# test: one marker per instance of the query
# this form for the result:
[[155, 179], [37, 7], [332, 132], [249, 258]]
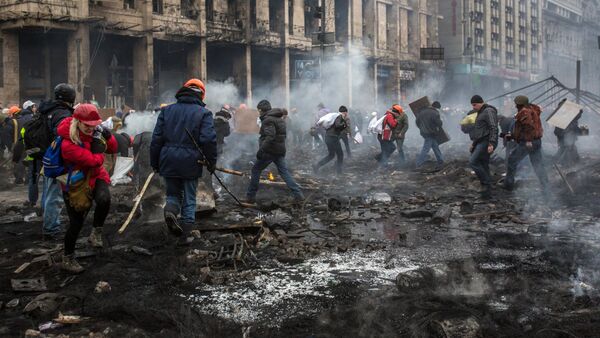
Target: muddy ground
[[365, 255]]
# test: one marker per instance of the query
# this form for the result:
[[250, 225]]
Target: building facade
[[563, 20], [590, 63], [492, 45], [138, 52]]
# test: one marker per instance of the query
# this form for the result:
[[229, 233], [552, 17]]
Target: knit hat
[[264, 105], [437, 105], [476, 99], [522, 100]]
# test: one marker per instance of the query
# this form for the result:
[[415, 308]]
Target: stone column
[[143, 71], [78, 59], [10, 60]]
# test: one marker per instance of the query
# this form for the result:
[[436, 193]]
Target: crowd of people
[[69, 146]]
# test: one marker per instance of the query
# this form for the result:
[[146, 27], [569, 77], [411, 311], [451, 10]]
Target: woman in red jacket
[[83, 146], [386, 137]]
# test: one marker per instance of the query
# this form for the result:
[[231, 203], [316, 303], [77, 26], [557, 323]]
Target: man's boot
[[486, 193], [95, 238], [69, 263], [171, 221]]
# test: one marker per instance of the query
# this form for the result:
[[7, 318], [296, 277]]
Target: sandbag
[[376, 125], [327, 120], [123, 166], [358, 138]]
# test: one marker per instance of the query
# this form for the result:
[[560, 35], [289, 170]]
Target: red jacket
[[528, 124], [81, 156], [389, 123]]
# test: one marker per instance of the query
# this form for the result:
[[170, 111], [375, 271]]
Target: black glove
[[105, 132], [98, 146], [211, 167]]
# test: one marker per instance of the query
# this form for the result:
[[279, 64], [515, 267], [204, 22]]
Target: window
[[157, 6]]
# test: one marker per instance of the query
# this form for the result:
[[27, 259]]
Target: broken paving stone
[[141, 251], [378, 197], [275, 217], [44, 304], [442, 215], [32, 333], [69, 319], [32, 284], [13, 303], [49, 326], [416, 213], [102, 287], [455, 327]]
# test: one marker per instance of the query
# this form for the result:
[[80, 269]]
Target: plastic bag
[[328, 120], [358, 138], [122, 166]]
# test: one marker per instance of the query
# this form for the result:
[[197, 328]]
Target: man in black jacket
[[332, 140], [55, 111], [271, 150], [485, 140], [430, 124]]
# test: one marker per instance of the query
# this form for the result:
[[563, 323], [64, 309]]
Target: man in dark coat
[[18, 158], [430, 124], [484, 135], [222, 127], [271, 150], [567, 149], [332, 140], [174, 155], [55, 111]]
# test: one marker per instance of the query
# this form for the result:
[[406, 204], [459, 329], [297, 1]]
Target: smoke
[[139, 122], [221, 93]]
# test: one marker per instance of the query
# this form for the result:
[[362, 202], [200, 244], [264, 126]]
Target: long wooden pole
[[136, 204]]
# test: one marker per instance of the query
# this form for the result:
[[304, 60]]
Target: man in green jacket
[[399, 133]]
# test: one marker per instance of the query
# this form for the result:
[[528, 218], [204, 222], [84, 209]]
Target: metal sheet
[[564, 114]]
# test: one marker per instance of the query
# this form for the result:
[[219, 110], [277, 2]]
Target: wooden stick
[[136, 204], [564, 179], [231, 172]]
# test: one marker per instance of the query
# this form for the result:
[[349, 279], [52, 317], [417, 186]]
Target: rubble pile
[[400, 253]]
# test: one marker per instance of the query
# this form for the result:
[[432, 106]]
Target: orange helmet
[[195, 83], [13, 110], [397, 108]]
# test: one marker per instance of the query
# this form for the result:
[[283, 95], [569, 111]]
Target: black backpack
[[37, 136]]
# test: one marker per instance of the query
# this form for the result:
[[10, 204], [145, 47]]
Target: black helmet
[[64, 92]]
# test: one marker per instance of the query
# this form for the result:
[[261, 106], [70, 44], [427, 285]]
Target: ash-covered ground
[[369, 253]]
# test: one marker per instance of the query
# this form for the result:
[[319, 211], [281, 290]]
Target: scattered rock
[[13, 303], [44, 304], [196, 234], [32, 333], [378, 197], [275, 217], [141, 251], [31, 284], [49, 326], [102, 287]]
